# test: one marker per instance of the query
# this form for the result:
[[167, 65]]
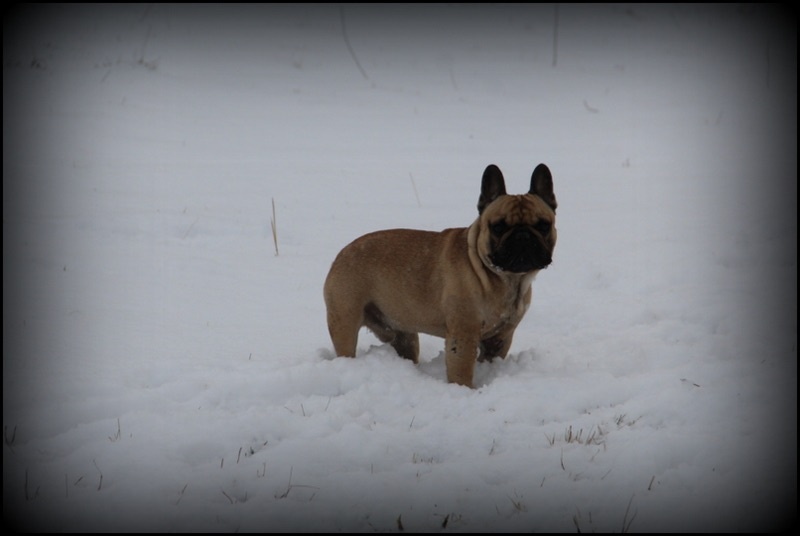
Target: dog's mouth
[[522, 252], [519, 265]]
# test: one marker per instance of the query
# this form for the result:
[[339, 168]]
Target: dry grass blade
[[274, 224]]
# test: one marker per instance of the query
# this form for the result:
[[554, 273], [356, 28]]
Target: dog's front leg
[[461, 352]]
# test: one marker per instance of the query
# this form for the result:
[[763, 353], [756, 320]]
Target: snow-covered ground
[[165, 370]]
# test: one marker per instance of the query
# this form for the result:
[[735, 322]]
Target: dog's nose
[[522, 235]]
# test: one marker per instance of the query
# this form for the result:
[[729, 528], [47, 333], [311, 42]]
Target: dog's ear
[[542, 185], [493, 186]]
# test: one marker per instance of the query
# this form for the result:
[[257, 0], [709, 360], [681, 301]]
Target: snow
[[165, 370]]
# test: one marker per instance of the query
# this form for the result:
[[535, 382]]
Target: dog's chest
[[508, 312]]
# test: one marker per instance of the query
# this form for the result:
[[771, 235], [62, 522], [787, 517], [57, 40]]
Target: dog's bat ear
[[542, 185], [493, 186]]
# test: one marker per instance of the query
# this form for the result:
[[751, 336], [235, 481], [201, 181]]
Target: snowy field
[[165, 369]]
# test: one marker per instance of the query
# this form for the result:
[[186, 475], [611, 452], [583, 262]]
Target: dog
[[469, 285]]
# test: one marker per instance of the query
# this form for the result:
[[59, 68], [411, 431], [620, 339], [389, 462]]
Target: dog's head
[[517, 233]]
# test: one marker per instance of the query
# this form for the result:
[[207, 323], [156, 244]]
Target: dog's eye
[[543, 226], [499, 227]]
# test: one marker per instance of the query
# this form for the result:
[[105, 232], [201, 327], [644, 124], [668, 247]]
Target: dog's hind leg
[[405, 344], [343, 326], [496, 346]]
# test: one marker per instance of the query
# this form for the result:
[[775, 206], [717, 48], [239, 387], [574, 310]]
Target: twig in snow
[[181, 494], [626, 525], [518, 506], [274, 223], [349, 46], [117, 435], [291, 486], [99, 484], [150, 65], [288, 488]]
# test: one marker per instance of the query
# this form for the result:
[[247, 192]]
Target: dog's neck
[[478, 266]]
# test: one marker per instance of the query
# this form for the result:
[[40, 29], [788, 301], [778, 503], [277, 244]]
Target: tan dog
[[470, 286]]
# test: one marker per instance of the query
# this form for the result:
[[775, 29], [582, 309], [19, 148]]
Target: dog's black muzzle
[[522, 250]]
